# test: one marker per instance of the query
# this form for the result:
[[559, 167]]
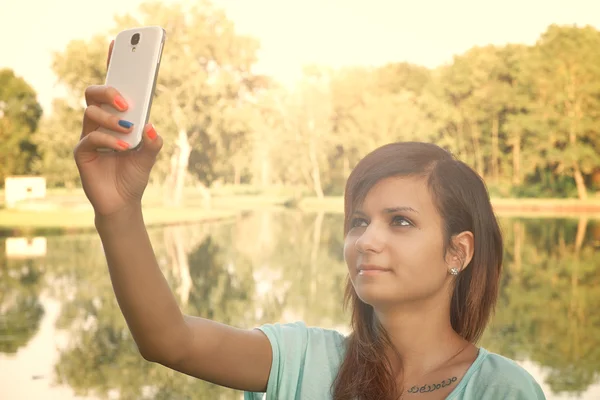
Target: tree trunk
[[180, 158], [495, 148], [170, 179], [575, 115], [459, 140], [314, 253], [516, 150], [236, 174], [476, 140], [184, 150], [579, 181], [315, 170], [265, 171]]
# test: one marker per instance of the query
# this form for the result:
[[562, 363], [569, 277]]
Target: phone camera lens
[[135, 39]]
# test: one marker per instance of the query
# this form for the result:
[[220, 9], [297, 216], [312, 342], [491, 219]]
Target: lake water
[[62, 335]]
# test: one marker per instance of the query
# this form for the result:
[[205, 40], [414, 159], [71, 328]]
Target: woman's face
[[394, 249]]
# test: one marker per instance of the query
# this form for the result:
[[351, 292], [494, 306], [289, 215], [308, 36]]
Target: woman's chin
[[372, 278], [383, 293], [373, 295]]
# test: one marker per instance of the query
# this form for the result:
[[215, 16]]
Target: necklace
[[428, 388]]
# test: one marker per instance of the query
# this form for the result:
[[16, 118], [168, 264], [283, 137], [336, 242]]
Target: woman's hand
[[112, 180]]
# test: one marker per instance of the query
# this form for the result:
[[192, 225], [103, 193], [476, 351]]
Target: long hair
[[461, 198]]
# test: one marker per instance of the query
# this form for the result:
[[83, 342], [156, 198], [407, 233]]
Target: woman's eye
[[358, 222], [402, 221]]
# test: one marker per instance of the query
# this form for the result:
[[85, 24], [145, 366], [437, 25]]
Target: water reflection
[[547, 313], [272, 266], [20, 285]]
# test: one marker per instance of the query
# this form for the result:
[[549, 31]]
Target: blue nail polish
[[125, 124]]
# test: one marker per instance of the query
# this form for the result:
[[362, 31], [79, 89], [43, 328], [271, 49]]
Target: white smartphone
[[133, 71]]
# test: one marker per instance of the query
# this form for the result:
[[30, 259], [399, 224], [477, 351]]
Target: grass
[[65, 209], [64, 219]]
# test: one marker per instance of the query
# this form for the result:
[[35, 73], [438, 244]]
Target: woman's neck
[[422, 336]]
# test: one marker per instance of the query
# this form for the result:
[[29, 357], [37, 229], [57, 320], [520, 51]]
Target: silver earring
[[454, 271]]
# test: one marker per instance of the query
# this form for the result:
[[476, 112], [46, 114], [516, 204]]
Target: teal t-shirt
[[306, 361]]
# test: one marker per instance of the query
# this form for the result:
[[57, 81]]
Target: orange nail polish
[[120, 102], [122, 144], [151, 132]]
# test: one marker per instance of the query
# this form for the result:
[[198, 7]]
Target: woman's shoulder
[[498, 374], [499, 364], [305, 360], [302, 335]]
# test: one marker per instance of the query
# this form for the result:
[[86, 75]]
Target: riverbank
[[78, 220], [542, 208], [70, 211], [73, 212]]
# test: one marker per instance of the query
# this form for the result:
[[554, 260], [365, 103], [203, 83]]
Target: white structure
[[21, 247], [17, 188]]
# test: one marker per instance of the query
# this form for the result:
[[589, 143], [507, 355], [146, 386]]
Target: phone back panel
[[132, 71]]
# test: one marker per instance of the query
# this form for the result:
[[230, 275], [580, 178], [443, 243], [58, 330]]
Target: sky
[[293, 33]]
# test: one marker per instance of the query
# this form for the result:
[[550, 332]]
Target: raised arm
[[114, 183]]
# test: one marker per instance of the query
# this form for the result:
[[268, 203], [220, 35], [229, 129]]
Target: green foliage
[[19, 116], [205, 83], [524, 117], [55, 140]]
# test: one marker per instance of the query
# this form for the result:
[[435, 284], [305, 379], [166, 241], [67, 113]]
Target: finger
[[95, 117], [98, 141], [103, 94], [110, 50], [152, 140], [151, 146]]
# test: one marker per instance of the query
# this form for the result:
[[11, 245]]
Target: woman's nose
[[371, 240]]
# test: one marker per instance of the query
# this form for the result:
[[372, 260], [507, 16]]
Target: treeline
[[525, 117]]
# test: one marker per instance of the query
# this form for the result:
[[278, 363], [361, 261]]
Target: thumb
[[152, 143]]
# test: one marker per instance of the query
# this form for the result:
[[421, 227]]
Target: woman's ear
[[463, 245]]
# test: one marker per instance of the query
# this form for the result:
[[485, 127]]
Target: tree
[[205, 81], [204, 85], [375, 106], [567, 101], [292, 131], [55, 140], [308, 120], [524, 117], [81, 64], [478, 87], [19, 116]]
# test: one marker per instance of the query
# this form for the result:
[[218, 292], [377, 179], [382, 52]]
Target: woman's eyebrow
[[391, 210]]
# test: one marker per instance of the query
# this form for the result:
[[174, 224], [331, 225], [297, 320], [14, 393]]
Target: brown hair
[[461, 198]]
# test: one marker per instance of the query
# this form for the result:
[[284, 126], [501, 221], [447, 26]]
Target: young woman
[[424, 255]]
